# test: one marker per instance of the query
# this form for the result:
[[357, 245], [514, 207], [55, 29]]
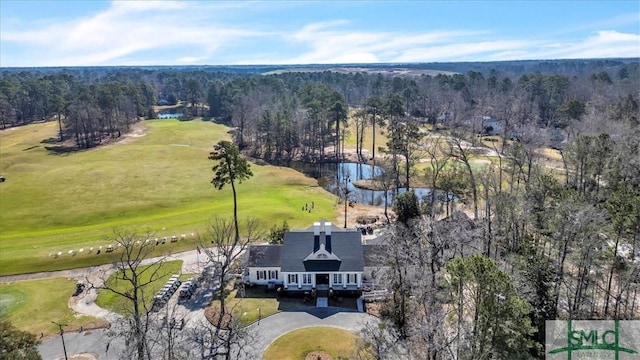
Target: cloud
[[459, 51], [602, 44], [186, 32], [124, 30], [331, 42]]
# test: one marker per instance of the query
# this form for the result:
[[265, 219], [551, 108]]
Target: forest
[[538, 242]]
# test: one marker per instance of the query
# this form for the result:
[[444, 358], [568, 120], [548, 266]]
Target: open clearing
[[338, 343], [54, 203], [32, 306]]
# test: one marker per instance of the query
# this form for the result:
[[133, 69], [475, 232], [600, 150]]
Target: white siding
[[262, 275]]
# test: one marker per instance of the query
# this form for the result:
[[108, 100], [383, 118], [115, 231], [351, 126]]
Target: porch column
[[330, 280], [344, 280], [359, 280], [285, 278], [313, 280], [299, 280]]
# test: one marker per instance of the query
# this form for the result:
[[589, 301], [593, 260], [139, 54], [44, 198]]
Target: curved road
[[274, 326], [263, 333]]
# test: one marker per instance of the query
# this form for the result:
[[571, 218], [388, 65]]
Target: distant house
[[491, 126], [321, 257], [557, 139]]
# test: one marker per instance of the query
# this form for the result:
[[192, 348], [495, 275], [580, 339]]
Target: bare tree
[[385, 182], [360, 121], [209, 341], [462, 151], [380, 341], [573, 220], [225, 248], [134, 327], [438, 158]]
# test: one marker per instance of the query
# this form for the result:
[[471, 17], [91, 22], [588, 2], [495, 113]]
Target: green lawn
[[246, 309], [367, 143], [32, 306], [295, 345], [158, 182], [114, 302]]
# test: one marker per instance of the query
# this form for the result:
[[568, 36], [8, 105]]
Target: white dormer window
[[322, 254]]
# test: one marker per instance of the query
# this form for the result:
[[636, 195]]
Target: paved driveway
[[274, 326], [93, 342], [263, 333]]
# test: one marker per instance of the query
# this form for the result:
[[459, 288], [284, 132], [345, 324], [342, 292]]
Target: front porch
[[296, 300], [335, 283]]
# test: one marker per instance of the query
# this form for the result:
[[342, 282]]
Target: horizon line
[[317, 64]]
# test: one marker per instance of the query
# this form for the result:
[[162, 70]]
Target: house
[[321, 257], [491, 126]]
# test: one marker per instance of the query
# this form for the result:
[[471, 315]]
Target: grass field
[[109, 300], [367, 143], [32, 306], [246, 309], [295, 345], [158, 180]]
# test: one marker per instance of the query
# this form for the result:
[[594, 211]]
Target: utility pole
[[64, 348], [346, 198]]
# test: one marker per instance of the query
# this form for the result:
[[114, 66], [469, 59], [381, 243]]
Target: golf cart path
[[85, 302]]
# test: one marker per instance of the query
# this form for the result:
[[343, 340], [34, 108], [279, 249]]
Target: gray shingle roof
[[298, 244], [264, 255]]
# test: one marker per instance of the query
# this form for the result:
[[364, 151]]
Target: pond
[[332, 176], [170, 116], [171, 113]]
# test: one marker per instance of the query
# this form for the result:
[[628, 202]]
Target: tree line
[[89, 102], [538, 243]]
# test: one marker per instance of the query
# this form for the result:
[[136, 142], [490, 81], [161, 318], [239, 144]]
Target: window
[[337, 278], [306, 279], [261, 274], [352, 278], [293, 279], [273, 274]]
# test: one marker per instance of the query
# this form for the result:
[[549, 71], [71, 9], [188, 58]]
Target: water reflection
[[171, 113], [335, 177]]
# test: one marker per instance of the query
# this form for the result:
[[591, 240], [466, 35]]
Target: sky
[[136, 33]]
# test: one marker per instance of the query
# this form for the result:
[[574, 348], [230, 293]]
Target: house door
[[322, 279]]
